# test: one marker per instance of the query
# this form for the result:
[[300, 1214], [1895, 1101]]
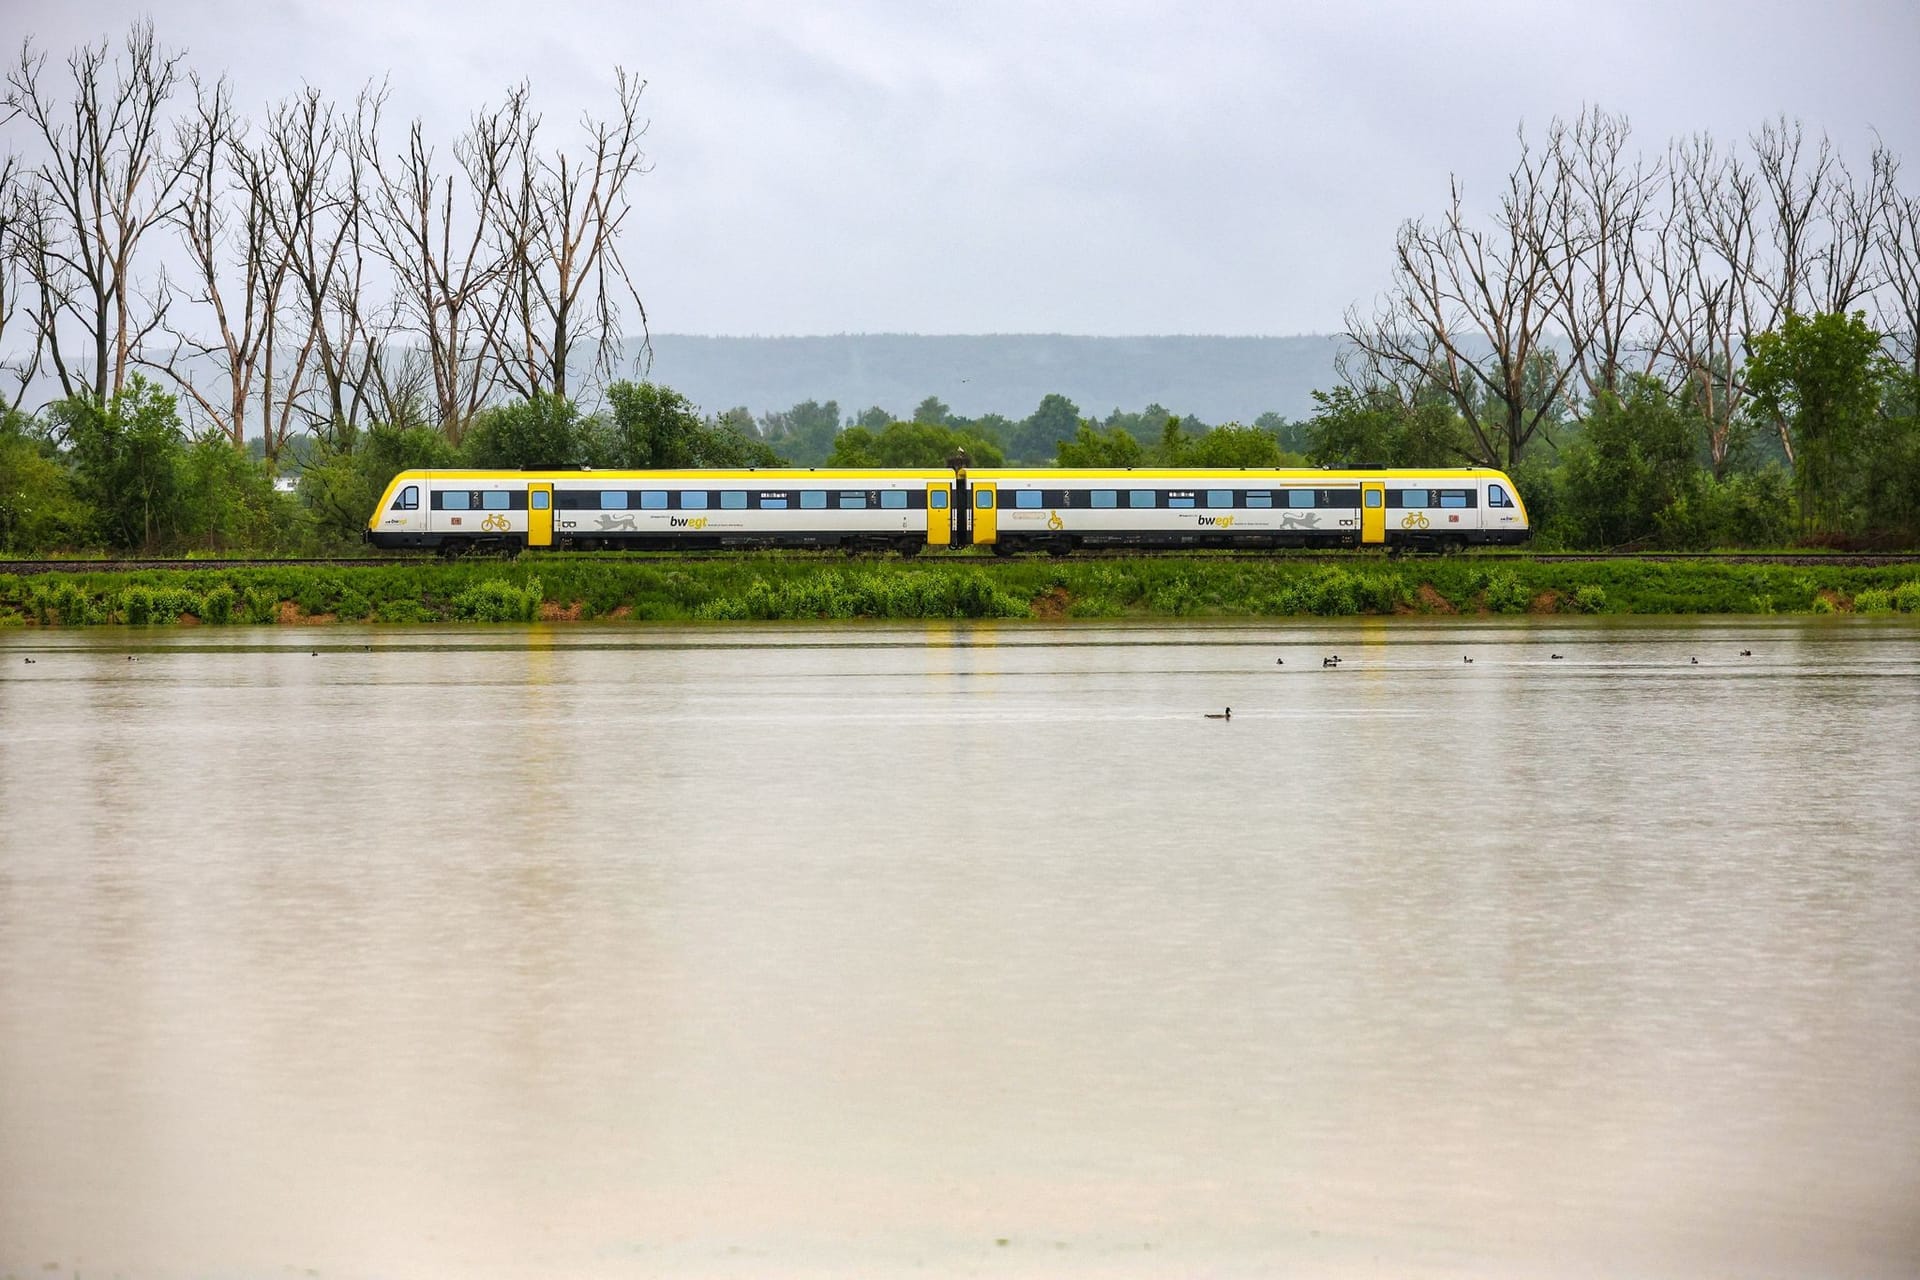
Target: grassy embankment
[[796, 587]]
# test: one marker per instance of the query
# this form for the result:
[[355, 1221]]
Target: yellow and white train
[[911, 510]]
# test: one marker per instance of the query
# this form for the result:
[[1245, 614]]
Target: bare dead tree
[[557, 224], [1471, 309], [1898, 303], [1698, 279], [431, 230], [109, 178], [225, 362], [19, 327], [319, 217], [1597, 215]]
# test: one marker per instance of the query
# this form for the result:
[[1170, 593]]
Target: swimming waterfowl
[[1220, 715], [1556, 657]]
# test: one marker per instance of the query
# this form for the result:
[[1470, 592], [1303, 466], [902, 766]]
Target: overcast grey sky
[[1096, 168]]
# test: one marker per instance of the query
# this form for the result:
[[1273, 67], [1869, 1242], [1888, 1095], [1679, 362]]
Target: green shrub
[[1591, 598], [1906, 597], [217, 609], [1505, 594], [1823, 604], [136, 606], [1873, 600], [497, 600], [402, 611], [262, 605]]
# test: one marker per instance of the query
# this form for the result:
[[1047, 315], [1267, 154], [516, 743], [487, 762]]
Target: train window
[[1181, 502], [1414, 498], [541, 499], [1300, 498], [1139, 497], [455, 500], [1027, 499], [1497, 496], [1259, 498], [693, 500], [733, 499], [893, 499], [1456, 498], [813, 499], [1219, 497], [937, 499], [983, 499], [1106, 497], [496, 500], [409, 499], [613, 499], [1373, 498], [1349, 498], [653, 499], [773, 502]]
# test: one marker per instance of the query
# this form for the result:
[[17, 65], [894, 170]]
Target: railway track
[[1801, 559]]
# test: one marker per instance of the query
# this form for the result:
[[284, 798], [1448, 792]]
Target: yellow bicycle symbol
[[495, 524], [1414, 520]]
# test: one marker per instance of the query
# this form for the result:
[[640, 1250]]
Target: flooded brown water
[[958, 950]]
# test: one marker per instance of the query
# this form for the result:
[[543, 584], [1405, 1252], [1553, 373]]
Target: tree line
[[1713, 346]]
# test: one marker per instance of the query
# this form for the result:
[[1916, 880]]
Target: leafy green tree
[[1376, 426], [655, 427], [1636, 457], [543, 431], [1819, 378], [1889, 487], [804, 434], [1232, 445], [127, 455], [1092, 447], [1038, 437], [911, 444], [873, 418], [229, 501], [38, 509], [1291, 435], [932, 412], [351, 469]]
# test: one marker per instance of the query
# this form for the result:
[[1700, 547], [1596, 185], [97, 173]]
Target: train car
[[1010, 510], [1059, 510], [457, 511]]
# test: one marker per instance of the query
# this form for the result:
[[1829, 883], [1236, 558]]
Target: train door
[[939, 514], [986, 514], [1373, 512], [539, 515]]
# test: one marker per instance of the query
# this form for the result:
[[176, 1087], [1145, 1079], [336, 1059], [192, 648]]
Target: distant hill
[[1218, 379]]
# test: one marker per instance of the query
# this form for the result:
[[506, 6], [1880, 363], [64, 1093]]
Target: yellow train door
[[939, 514], [986, 514], [539, 515], [1373, 512]]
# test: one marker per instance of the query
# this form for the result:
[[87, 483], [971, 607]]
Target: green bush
[[1873, 600], [217, 609], [402, 611], [497, 600], [1505, 593], [1906, 597], [262, 605], [1591, 598]]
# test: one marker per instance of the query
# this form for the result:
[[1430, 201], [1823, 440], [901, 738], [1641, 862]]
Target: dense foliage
[[798, 587]]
